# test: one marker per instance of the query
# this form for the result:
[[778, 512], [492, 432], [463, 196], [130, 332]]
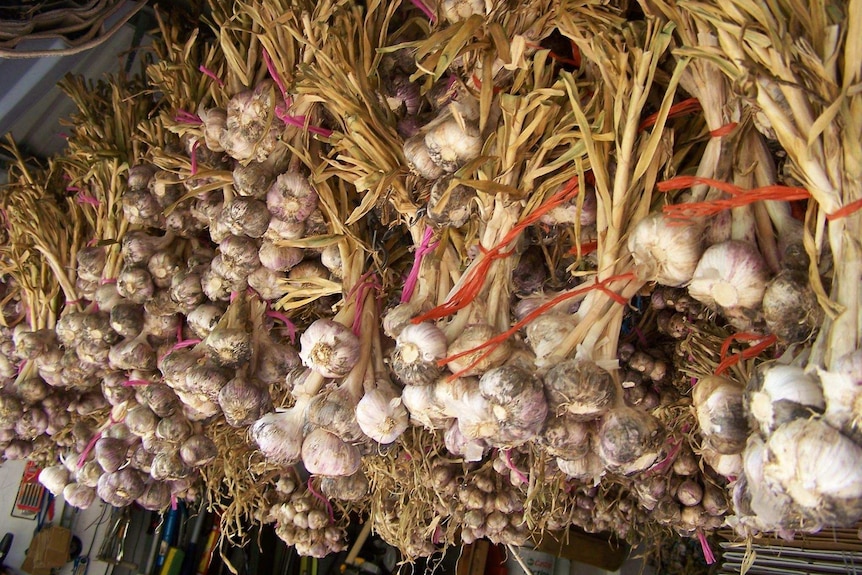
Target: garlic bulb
[[473, 336], [566, 437], [346, 488], [417, 349], [581, 389], [279, 435], [451, 144], [819, 469], [279, 258], [243, 402], [120, 488], [380, 414], [251, 131], [156, 496], [450, 205], [246, 217], [54, 479], [589, 468], [790, 307], [730, 274], [424, 410], [629, 440], [110, 453], [664, 250], [777, 394], [517, 402], [214, 120], [718, 404], [291, 198], [198, 450], [842, 390], [203, 319], [729, 466], [545, 333], [78, 495], [329, 348], [457, 444], [324, 453], [419, 160], [458, 10], [167, 465]]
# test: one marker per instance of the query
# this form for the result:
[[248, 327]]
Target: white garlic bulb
[[718, 404], [324, 453], [730, 275], [458, 10], [588, 468], [417, 349], [423, 409], [381, 415], [842, 390], [279, 435], [665, 251], [457, 444], [819, 468], [451, 144], [329, 348], [780, 393], [419, 160], [545, 333], [54, 478], [471, 337]]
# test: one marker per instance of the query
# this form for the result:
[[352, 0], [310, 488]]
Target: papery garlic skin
[[588, 468], [720, 414], [419, 160], [424, 410], [381, 416], [457, 444], [819, 468], [842, 391], [451, 145], [329, 348], [545, 333], [279, 435], [324, 453], [417, 349], [777, 394], [730, 275], [665, 251], [471, 337], [54, 479]]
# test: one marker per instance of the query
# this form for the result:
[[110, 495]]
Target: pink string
[[21, 366], [664, 463], [83, 457], [174, 501], [438, 536], [324, 499], [105, 281], [184, 117], [291, 328], [211, 74], [507, 455], [276, 77], [413, 276], [425, 10], [707, 550], [233, 295], [299, 122], [83, 197], [360, 301], [180, 345]]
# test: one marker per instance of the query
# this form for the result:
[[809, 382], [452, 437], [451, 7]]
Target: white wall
[[85, 526]]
